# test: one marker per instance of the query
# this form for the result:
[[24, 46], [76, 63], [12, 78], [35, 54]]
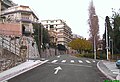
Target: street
[[64, 68]]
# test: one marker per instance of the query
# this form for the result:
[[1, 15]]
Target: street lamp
[[94, 41], [106, 35], [106, 40], [94, 48]]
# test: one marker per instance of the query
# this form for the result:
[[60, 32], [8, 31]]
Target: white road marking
[[72, 61], [88, 61], [4, 81], [116, 72], [93, 60], [63, 61], [58, 56], [57, 69], [80, 61], [54, 61], [73, 64], [43, 59]]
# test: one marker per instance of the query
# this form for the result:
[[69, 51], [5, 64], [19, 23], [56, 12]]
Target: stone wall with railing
[[8, 59]]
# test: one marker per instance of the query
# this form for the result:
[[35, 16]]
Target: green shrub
[[89, 55], [103, 56], [79, 55]]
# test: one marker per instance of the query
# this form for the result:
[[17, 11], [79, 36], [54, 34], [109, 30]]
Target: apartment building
[[22, 15], [6, 4], [61, 31], [75, 36]]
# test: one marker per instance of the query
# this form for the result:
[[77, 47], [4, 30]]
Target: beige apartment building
[[22, 15], [61, 31], [4, 4], [8, 28]]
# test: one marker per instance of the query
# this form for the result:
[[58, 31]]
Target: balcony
[[8, 3], [25, 20]]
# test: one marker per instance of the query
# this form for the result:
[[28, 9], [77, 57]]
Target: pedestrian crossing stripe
[[88, 61], [93, 61], [80, 61], [63, 61], [72, 61], [54, 61]]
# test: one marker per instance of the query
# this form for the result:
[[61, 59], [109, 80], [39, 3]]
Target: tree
[[37, 36], [46, 37], [116, 32], [109, 32], [80, 45], [41, 33], [93, 24]]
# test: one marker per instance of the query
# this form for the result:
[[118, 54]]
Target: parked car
[[118, 63]]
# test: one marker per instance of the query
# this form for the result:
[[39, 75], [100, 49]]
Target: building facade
[[61, 31], [75, 36], [23, 15], [4, 4]]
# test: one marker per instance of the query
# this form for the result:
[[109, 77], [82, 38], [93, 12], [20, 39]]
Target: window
[[52, 21], [51, 26], [46, 26]]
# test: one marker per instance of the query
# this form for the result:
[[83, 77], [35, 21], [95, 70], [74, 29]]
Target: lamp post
[[94, 39], [106, 40], [94, 48]]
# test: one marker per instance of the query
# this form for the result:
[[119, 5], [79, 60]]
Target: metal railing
[[9, 45], [10, 54]]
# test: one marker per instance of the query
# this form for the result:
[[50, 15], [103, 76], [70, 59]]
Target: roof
[[20, 8]]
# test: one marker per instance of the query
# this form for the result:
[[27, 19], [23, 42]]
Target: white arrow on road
[[57, 69]]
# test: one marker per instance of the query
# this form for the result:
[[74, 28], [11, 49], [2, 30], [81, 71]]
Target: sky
[[74, 12]]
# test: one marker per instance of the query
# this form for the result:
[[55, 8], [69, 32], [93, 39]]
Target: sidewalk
[[28, 65], [109, 69]]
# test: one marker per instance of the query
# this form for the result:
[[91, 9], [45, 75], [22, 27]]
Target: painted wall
[[10, 29]]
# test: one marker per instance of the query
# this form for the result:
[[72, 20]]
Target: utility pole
[[94, 38], [94, 48], [106, 40]]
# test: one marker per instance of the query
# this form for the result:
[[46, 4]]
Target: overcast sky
[[74, 12]]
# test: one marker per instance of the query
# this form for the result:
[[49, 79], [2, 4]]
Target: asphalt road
[[63, 68]]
